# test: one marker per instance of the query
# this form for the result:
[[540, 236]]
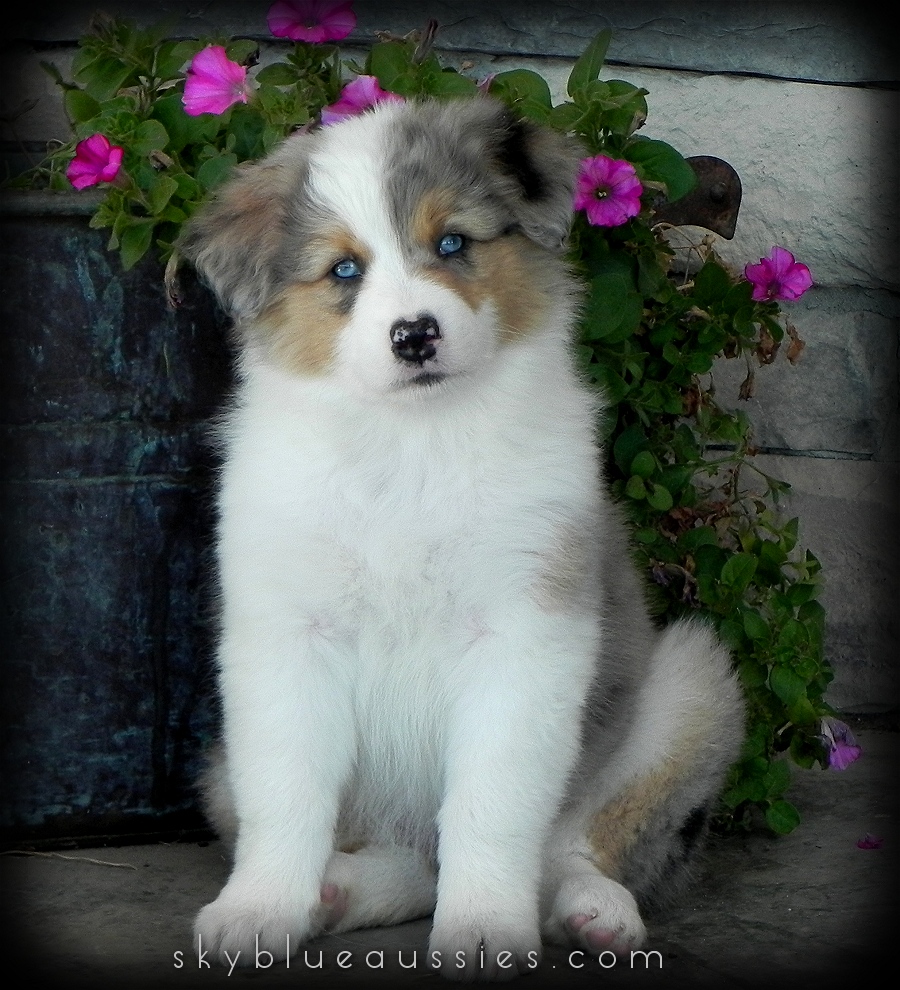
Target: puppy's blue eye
[[346, 268], [450, 244]]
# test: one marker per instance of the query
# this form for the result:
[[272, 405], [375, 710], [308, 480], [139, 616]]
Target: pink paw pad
[[335, 900], [596, 939], [600, 938]]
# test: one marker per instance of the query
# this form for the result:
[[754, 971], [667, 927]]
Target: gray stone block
[[810, 41], [849, 519], [840, 399]]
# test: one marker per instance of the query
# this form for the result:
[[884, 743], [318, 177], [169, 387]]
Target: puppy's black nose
[[413, 340]]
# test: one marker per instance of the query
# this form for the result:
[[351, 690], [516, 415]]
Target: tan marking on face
[[431, 217], [302, 327], [616, 828], [330, 246], [443, 211], [563, 583], [508, 272], [303, 324]]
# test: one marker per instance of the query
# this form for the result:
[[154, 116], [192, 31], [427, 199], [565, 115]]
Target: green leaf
[[613, 309], [646, 536], [188, 187], [711, 284], [246, 130], [161, 191], [103, 77], [660, 162], [644, 465], [135, 241], [587, 67], [627, 445], [451, 84], [778, 778], [698, 537], [792, 635], [812, 615], [755, 742], [215, 170], [660, 498], [738, 571], [150, 136], [698, 364], [80, 107], [242, 50], [565, 117], [732, 634], [182, 128], [738, 297], [173, 57], [391, 63], [277, 74], [782, 817], [522, 86], [611, 384], [635, 488], [752, 674], [710, 559], [755, 626], [786, 684], [626, 107]]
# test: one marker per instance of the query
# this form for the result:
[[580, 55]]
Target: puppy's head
[[397, 250]]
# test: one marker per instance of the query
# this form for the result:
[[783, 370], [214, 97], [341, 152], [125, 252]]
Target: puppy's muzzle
[[414, 340]]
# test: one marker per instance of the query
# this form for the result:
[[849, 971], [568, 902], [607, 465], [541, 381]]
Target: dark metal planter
[[105, 395]]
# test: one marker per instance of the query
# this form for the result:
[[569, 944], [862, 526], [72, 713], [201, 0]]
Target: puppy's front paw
[[483, 950], [245, 926]]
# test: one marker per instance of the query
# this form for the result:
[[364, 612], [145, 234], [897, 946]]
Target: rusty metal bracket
[[715, 201]]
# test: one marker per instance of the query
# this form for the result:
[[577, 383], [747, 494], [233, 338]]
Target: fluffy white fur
[[416, 584]]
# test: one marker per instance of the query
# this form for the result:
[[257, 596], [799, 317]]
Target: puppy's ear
[[540, 165], [235, 239]]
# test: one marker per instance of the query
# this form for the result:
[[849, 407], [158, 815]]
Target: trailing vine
[[707, 523]]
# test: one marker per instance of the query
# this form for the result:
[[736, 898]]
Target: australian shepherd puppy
[[441, 690]]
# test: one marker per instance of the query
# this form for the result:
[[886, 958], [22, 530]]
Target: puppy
[[441, 690]]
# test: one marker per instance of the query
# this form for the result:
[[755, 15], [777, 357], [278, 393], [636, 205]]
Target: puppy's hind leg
[[628, 835], [376, 886]]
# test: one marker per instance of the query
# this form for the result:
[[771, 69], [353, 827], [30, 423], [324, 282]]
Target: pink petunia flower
[[314, 21], [778, 276], [840, 743], [96, 160], [359, 95], [214, 82], [608, 190]]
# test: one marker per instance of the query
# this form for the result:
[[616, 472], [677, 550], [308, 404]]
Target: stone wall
[[802, 100]]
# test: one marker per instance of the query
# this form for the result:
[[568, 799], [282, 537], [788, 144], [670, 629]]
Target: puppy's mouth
[[425, 379]]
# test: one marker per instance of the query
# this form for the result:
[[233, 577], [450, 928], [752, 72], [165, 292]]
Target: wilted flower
[[314, 21], [359, 95], [778, 276], [839, 742], [214, 82], [484, 85], [869, 841], [608, 190], [96, 160]]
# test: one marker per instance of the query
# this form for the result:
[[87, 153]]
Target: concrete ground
[[804, 910]]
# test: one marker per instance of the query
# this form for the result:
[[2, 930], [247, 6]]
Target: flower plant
[[168, 120]]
